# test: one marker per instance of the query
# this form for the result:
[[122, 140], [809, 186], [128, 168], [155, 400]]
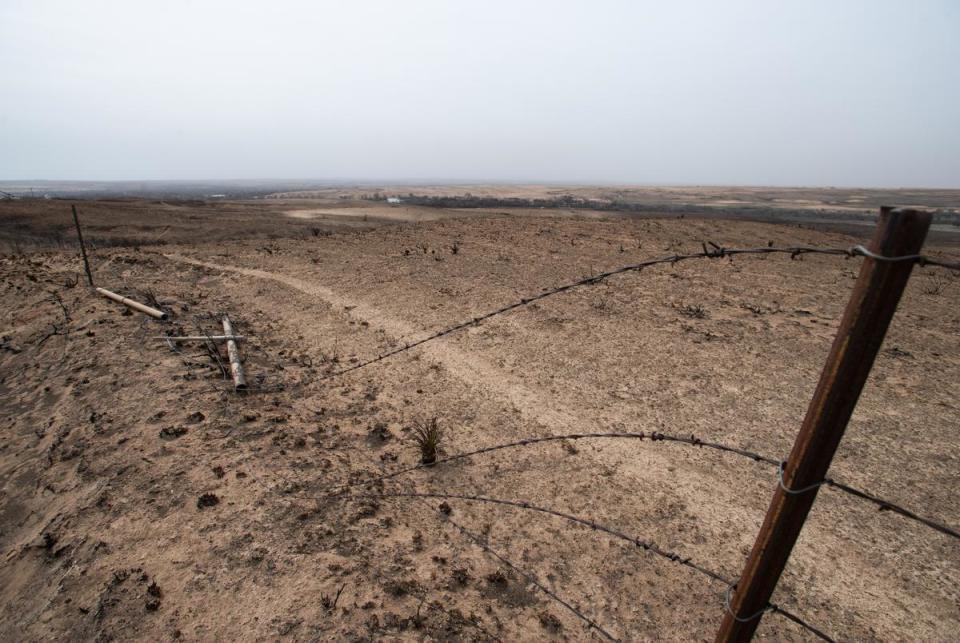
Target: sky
[[764, 92]]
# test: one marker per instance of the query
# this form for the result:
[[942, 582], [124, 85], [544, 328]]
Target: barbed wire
[[656, 436], [653, 436], [776, 609], [713, 252], [920, 260], [530, 578], [646, 545], [886, 505]]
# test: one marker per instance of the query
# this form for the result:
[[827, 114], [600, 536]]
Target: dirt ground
[[142, 498]]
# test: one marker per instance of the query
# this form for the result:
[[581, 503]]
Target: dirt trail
[[470, 369], [530, 409]]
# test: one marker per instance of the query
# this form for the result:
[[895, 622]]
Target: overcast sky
[[844, 93]]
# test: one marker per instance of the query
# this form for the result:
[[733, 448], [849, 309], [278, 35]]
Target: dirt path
[[470, 369]]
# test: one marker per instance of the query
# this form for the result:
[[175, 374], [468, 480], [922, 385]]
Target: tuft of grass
[[428, 438], [934, 285], [695, 311], [151, 299]]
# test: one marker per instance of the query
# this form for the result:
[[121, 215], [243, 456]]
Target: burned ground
[[143, 498]]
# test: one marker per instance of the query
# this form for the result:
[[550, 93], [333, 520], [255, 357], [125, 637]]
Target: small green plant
[[428, 437]]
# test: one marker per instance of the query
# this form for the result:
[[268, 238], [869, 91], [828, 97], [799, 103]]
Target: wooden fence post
[[864, 324], [236, 369], [83, 248]]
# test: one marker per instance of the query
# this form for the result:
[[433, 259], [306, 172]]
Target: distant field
[[46, 223]]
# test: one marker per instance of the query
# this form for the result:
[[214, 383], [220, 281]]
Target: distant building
[[393, 199]]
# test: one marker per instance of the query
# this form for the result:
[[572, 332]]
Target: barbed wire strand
[[530, 578], [646, 545], [920, 260], [886, 505], [638, 542], [653, 436], [656, 436], [713, 252], [776, 609]]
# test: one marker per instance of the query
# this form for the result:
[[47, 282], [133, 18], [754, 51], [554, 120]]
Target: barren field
[[142, 498]]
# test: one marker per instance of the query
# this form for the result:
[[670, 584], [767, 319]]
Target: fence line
[[654, 436], [713, 252], [743, 626]]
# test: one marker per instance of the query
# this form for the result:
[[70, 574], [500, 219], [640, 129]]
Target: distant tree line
[[568, 201]]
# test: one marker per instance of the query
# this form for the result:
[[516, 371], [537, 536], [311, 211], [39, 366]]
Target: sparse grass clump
[[934, 285], [428, 438], [694, 311]]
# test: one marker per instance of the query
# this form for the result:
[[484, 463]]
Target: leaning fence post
[[83, 248], [872, 304]]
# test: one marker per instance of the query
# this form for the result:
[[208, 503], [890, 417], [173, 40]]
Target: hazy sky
[[762, 92]]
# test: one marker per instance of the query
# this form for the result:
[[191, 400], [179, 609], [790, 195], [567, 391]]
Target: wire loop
[[794, 492]]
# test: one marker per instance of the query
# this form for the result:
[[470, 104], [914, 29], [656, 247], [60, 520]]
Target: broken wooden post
[[83, 248], [146, 310], [239, 382]]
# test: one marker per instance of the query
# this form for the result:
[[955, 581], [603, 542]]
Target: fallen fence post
[[865, 321], [136, 305], [236, 369], [83, 247]]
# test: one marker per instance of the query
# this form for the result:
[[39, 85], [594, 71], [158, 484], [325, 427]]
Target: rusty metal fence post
[[865, 321]]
